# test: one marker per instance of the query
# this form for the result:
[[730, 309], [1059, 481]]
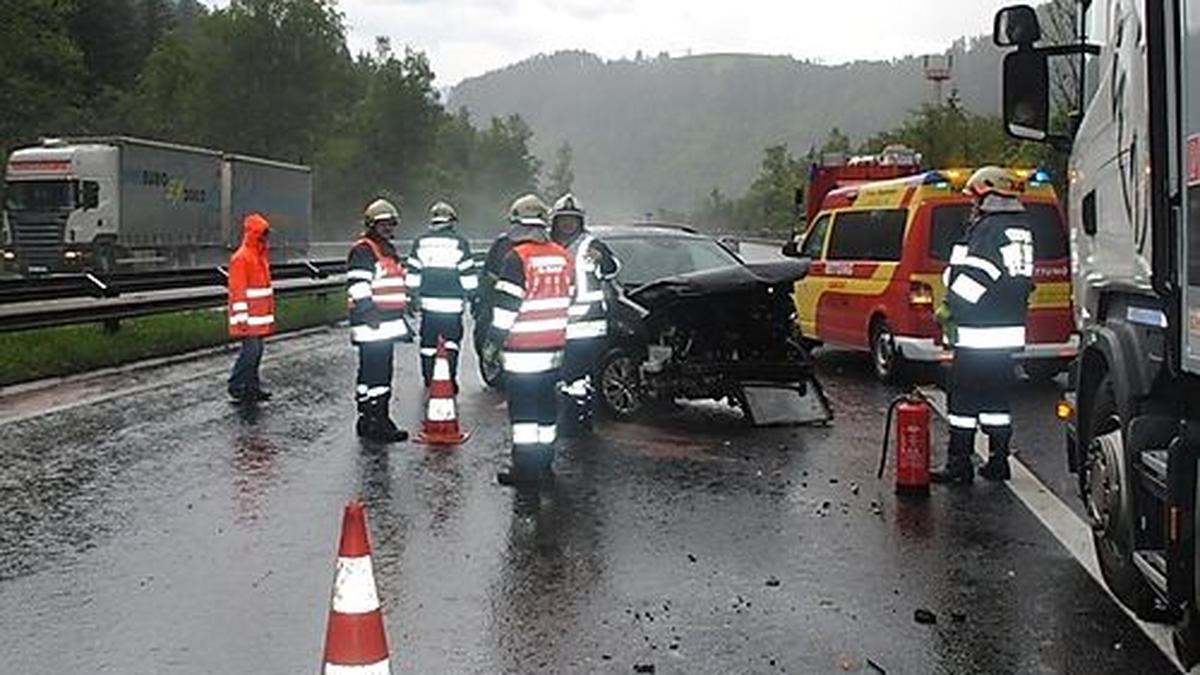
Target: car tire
[[620, 385], [491, 367], [886, 361], [1044, 370], [1109, 503]]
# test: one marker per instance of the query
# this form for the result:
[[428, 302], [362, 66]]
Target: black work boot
[[996, 468], [958, 469], [380, 426], [362, 426]]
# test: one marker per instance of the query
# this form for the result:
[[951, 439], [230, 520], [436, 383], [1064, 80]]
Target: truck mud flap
[[778, 404]]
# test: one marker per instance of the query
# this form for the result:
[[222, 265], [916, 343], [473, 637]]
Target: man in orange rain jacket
[[251, 308]]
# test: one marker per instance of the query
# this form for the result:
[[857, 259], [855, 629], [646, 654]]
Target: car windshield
[[1049, 236], [647, 259], [41, 195]]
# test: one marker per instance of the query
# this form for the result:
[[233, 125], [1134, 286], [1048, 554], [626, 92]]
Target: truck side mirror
[[1027, 95], [1016, 26], [90, 195]]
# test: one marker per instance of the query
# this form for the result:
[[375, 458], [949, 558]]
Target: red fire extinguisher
[[912, 443]]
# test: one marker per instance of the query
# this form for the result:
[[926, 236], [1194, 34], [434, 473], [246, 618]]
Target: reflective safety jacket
[[594, 264], [378, 292], [533, 296], [988, 282], [251, 299], [441, 272]]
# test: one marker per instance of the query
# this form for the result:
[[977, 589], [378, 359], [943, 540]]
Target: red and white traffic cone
[[355, 640], [441, 413]]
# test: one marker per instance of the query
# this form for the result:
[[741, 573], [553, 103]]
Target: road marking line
[[273, 355], [1067, 527]]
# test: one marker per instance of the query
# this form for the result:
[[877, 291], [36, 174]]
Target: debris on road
[[773, 582], [925, 617], [876, 667], [643, 668]]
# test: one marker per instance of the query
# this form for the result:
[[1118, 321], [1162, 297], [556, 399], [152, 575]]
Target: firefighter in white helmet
[[442, 279], [532, 299], [988, 282], [378, 298], [587, 326]]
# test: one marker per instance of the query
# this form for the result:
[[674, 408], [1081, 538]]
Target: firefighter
[[378, 301], [988, 282], [529, 320], [251, 308], [587, 325], [441, 277]]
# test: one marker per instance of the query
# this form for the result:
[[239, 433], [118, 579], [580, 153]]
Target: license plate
[[38, 269]]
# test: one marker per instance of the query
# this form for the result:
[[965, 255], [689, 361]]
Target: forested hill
[[663, 132]]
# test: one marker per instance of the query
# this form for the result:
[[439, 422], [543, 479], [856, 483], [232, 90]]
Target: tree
[[561, 177]]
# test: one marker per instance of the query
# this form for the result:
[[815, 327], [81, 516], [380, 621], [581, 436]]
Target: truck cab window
[[40, 195]]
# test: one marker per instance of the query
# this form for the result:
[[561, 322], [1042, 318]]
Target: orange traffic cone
[[441, 414], [355, 641]]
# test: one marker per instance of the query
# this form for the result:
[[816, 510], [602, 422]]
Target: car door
[[861, 257], [809, 289]]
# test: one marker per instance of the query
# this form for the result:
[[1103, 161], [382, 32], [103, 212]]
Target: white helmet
[[442, 212], [380, 209], [567, 205], [528, 210]]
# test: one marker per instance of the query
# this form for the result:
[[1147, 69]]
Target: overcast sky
[[464, 38]]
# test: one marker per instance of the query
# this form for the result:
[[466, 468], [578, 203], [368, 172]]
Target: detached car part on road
[[688, 319]]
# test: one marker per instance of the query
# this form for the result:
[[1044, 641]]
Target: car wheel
[[1109, 501], [491, 365], [621, 390], [885, 358]]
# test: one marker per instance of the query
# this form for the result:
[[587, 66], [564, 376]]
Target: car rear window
[[1049, 235], [867, 235]]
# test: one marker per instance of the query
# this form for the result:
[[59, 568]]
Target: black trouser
[[450, 326], [244, 378], [981, 382], [582, 357], [533, 411], [374, 371]]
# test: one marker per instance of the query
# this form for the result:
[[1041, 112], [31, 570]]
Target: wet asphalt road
[[148, 526]]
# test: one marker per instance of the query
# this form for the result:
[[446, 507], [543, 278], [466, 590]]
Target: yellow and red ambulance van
[[878, 250]]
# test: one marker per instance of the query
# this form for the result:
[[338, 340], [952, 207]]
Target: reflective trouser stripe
[[585, 330], [531, 362], [995, 419], [443, 305], [364, 391], [525, 433], [547, 433], [993, 337], [961, 421], [388, 330], [252, 293]]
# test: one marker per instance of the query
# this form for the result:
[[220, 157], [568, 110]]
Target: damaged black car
[[689, 319]]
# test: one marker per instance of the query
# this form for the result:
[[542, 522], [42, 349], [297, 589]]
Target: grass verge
[[64, 350]]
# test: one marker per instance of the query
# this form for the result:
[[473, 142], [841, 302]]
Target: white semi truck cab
[[59, 199], [1133, 419]]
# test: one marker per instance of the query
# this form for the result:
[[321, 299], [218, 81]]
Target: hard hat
[[993, 180], [567, 205], [380, 209], [442, 212], [528, 210]]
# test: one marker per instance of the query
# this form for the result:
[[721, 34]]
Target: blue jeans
[[244, 378]]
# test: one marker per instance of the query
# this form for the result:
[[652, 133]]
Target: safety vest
[[588, 313], [384, 286], [251, 299], [541, 324]]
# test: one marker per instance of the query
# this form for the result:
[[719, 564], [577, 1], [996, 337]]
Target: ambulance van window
[[816, 238], [876, 235], [949, 222]]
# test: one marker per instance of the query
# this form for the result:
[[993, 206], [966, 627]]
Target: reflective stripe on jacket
[[441, 270], [533, 298], [377, 292], [589, 310], [251, 298]]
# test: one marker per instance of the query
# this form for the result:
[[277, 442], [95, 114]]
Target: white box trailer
[[118, 202]]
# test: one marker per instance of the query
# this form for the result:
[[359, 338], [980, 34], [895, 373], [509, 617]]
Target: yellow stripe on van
[[1051, 295]]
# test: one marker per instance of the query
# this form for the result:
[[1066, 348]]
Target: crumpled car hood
[[753, 278]]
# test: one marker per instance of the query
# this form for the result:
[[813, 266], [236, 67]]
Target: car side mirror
[[1027, 95], [1016, 26], [791, 249]]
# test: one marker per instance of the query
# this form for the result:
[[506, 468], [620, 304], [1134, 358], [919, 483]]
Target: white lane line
[[268, 356], [1066, 526]]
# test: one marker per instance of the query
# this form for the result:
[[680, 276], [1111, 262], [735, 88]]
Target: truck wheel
[[621, 390], [888, 362], [1109, 502]]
